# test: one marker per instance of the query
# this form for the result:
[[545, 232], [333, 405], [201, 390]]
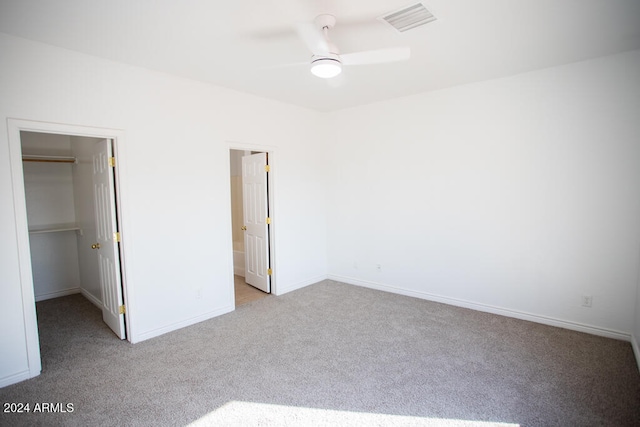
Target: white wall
[[54, 259], [174, 170], [517, 195]]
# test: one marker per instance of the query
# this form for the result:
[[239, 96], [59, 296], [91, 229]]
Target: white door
[[107, 242], [255, 214]]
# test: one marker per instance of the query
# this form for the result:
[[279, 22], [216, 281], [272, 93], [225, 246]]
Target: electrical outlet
[[199, 293], [378, 267], [587, 300]]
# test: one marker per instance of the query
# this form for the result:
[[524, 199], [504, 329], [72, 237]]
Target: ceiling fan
[[327, 61]]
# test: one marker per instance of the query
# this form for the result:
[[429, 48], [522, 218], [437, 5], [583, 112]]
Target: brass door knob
[[244, 228], [95, 246]]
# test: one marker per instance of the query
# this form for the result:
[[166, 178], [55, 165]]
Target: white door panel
[[106, 244], [255, 213]]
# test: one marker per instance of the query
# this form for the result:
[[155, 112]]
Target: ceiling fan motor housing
[[325, 21]]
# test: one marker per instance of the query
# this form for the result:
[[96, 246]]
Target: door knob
[[95, 246], [244, 228]]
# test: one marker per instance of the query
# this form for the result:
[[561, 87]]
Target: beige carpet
[[329, 354]]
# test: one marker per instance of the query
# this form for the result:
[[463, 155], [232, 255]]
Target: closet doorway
[[62, 230], [251, 218], [69, 186]]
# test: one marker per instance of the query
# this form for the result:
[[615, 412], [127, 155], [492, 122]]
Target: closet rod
[[49, 159]]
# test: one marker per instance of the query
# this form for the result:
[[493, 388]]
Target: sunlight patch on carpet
[[237, 413]]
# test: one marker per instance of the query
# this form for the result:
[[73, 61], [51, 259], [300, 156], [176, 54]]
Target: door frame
[[271, 196], [14, 127]]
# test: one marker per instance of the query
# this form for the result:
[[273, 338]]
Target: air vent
[[409, 17]]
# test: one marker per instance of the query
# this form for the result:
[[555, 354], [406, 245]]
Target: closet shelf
[[48, 159], [53, 228]]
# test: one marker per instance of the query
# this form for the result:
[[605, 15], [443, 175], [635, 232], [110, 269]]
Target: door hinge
[[268, 220], [112, 162], [116, 236], [122, 310], [269, 272], [267, 168]]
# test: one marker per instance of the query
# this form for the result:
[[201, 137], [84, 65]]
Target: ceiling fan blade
[[377, 56], [281, 66], [312, 37]]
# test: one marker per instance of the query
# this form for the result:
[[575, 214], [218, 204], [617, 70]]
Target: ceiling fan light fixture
[[326, 68]]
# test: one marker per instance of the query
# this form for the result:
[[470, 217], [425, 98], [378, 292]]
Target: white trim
[[302, 284], [636, 349], [16, 378], [32, 339], [271, 180], [14, 127], [545, 320], [57, 294], [93, 300], [183, 324]]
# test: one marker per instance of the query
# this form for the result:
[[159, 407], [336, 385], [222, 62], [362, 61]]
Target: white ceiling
[[239, 44]]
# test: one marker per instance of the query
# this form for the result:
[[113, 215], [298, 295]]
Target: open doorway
[[110, 139], [251, 218], [69, 186]]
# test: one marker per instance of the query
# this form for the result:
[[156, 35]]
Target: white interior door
[[255, 216], [107, 242]]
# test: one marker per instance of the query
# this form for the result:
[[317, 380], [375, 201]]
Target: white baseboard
[[57, 294], [16, 378], [238, 271], [636, 349], [135, 338], [285, 289], [575, 326], [95, 301]]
